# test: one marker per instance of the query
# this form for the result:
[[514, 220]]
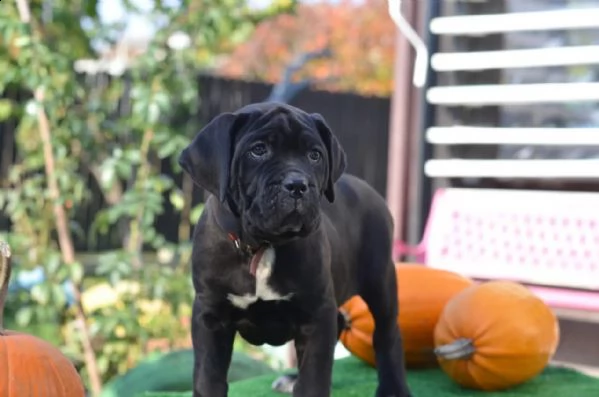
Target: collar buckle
[[236, 241]]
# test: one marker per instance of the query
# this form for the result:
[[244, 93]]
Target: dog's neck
[[231, 225]]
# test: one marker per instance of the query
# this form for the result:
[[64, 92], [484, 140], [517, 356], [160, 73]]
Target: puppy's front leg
[[213, 348], [315, 347]]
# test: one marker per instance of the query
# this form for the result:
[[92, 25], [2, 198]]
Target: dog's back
[[359, 227]]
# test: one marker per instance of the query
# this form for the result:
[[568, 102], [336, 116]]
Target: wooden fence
[[360, 123]]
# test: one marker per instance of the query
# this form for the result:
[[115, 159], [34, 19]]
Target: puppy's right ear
[[336, 155], [207, 159]]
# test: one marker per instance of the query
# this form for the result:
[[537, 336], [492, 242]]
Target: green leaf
[[41, 293], [168, 148], [24, 315], [76, 269], [177, 199], [58, 295], [153, 112], [103, 363], [53, 264], [91, 8], [132, 156], [196, 212], [6, 109]]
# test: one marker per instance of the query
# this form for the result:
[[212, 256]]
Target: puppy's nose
[[296, 184]]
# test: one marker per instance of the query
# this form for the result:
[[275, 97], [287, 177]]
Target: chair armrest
[[402, 249]]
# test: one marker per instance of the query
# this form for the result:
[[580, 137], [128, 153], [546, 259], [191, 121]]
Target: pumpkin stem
[[5, 268], [460, 349]]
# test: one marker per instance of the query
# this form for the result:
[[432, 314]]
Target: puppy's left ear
[[207, 159], [335, 153]]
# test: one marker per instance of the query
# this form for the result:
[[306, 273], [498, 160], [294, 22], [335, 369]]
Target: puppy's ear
[[336, 155], [207, 159]]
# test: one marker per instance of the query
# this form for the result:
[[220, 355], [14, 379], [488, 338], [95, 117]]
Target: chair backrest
[[536, 237]]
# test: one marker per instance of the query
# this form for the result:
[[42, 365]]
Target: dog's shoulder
[[355, 191], [356, 200], [206, 217]]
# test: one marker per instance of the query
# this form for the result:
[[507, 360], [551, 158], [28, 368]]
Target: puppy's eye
[[314, 155], [259, 150]]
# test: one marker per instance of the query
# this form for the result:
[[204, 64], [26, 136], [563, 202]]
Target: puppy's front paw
[[284, 383]]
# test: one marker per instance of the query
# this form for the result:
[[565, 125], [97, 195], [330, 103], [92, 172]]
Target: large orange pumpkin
[[422, 295], [30, 366], [495, 335]]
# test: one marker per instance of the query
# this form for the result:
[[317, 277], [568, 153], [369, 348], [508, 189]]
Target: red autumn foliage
[[361, 36]]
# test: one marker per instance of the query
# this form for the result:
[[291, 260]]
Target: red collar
[[231, 225], [254, 253], [240, 245]]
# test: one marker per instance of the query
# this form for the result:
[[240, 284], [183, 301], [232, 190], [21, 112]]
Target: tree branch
[[61, 219], [286, 89], [135, 244]]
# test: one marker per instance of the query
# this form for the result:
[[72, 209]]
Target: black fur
[[332, 235]]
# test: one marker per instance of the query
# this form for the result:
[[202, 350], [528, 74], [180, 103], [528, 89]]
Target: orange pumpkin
[[495, 335], [422, 295], [359, 327], [31, 367]]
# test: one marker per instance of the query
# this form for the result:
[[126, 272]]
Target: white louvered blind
[[514, 95]]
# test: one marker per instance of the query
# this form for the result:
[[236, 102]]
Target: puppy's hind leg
[[378, 288], [285, 383]]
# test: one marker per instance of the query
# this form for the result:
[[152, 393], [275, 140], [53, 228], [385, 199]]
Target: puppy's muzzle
[[296, 185]]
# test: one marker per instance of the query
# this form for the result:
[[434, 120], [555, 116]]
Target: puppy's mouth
[[280, 237], [290, 231], [290, 227], [292, 223]]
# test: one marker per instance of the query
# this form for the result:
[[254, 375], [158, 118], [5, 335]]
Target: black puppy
[[284, 239]]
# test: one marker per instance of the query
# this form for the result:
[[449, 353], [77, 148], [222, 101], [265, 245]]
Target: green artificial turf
[[354, 379]]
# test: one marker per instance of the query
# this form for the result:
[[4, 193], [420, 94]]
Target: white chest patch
[[263, 290]]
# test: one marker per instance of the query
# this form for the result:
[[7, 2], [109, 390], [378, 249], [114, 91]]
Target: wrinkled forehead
[[281, 123], [282, 118]]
